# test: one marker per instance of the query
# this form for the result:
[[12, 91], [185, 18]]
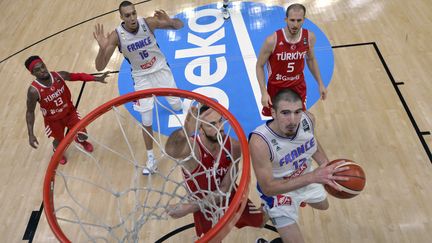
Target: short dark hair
[[286, 95], [124, 4], [203, 108], [29, 60], [296, 6]]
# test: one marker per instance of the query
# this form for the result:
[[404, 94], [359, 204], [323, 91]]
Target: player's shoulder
[[32, 91], [271, 40], [310, 116], [311, 36]]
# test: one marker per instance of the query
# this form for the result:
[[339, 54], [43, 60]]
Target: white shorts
[[285, 207], [162, 78]]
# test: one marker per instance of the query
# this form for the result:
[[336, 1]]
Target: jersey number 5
[[290, 67]]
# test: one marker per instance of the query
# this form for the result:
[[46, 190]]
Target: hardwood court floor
[[362, 119]]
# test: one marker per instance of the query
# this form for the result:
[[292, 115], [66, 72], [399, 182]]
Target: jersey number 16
[[144, 54]]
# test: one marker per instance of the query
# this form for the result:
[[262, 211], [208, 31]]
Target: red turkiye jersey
[[286, 63], [205, 178], [55, 101]]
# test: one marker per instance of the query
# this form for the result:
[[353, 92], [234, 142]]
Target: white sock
[[150, 153]]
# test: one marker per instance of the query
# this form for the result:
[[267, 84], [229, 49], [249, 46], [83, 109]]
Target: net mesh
[[104, 197]]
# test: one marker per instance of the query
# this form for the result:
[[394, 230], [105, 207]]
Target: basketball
[[352, 187]]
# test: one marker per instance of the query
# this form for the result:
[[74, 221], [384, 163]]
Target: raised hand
[[100, 37], [161, 15]]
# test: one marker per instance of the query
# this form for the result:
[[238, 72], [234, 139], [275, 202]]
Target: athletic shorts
[[251, 216], [283, 208], [272, 90], [162, 78], [56, 128]]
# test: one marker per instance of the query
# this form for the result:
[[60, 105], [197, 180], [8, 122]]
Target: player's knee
[[177, 105], [323, 205], [147, 118], [82, 135]]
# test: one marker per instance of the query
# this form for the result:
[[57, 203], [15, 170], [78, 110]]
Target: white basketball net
[[103, 196]]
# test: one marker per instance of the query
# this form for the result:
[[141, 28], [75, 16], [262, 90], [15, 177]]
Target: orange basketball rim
[[233, 213]]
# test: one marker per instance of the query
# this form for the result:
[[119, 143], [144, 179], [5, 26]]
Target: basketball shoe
[[225, 13], [86, 145], [261, 240], [151, 166], [63, 160]]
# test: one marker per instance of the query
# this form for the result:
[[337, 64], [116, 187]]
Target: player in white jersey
[[282, 150], [225, 13], [135, 40]]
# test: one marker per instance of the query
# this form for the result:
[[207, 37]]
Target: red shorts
[[273, 90], [56, 128], [251, 216]]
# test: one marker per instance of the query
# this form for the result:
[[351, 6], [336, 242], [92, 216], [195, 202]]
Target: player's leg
[[165, 79], [300, 89], [283, 211], [55, 129], [145, 107], [252, 216], [316, 197], [291, 233], [71, 120], [202, 225], [147, 122]]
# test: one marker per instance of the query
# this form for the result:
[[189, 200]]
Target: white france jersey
[[290, 157], [141, 49]]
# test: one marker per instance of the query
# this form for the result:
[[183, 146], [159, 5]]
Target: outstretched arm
[[177, 145], [107, 45], [313, 66], [32, 98], [263, 57], [84, 76], [161, 20]]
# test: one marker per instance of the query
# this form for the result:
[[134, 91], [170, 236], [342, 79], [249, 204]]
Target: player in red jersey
[[54, 97], [285, 52], [207, 150]]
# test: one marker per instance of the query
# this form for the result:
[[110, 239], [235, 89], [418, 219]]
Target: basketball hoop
[[64, 205]]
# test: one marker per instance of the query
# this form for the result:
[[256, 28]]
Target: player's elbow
[[268, 190], [178, 24], [175, 143], [99, 67], [170, 149], [259, 66]]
